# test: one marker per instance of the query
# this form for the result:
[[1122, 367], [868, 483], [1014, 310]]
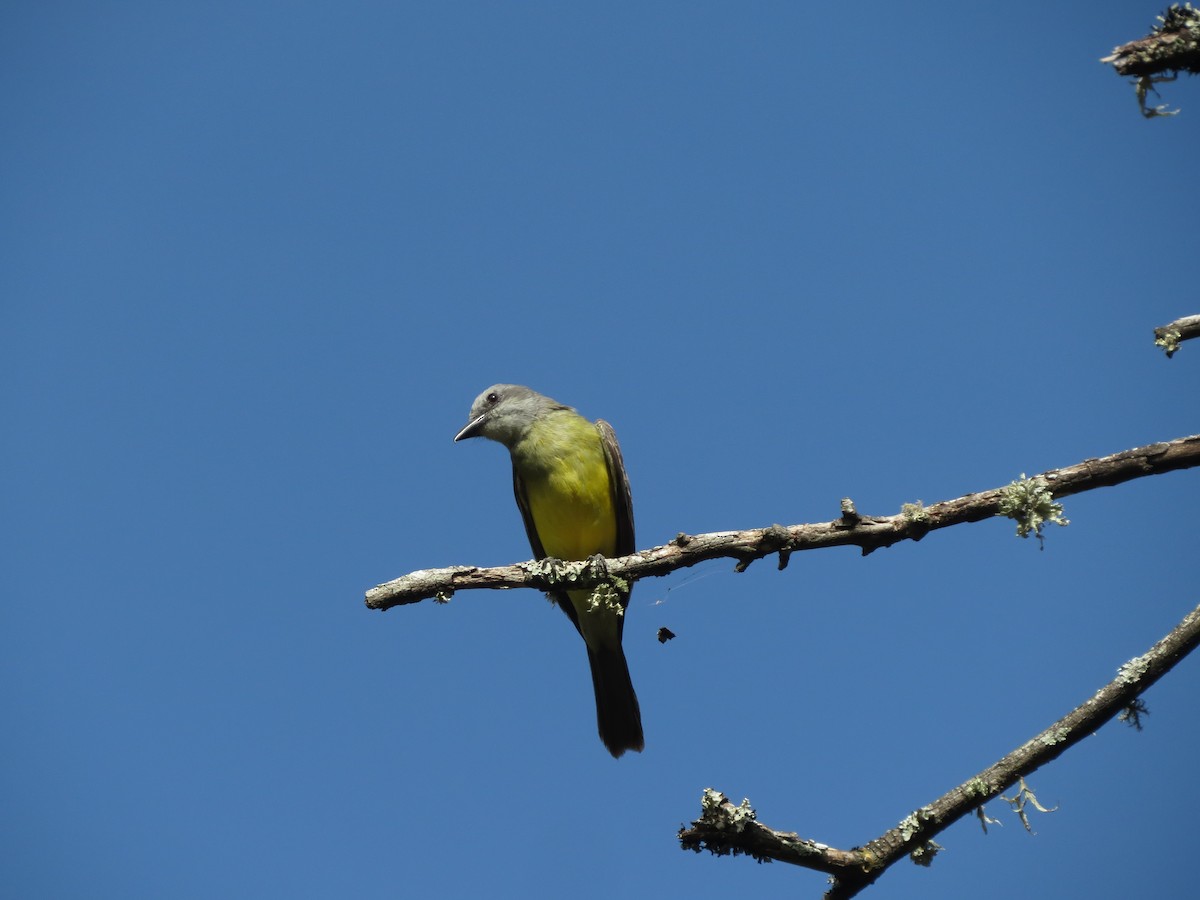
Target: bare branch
[[869, 533], [1170, 335], [727, 829]]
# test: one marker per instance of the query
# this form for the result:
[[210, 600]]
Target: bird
[[573, 493]]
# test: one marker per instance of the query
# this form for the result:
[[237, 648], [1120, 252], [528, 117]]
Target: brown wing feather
[[619, 482], [535, 542]]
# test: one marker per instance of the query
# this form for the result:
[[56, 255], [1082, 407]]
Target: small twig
[[725, 829], [869, 533]]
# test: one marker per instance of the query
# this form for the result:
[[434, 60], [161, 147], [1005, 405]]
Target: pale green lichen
[[915, 512], [976, 787], [1050, 738], [1133, 670], [911, 823], [733, 818], [549, 568], [1025, 796], [923, 855], [985, 820], [1177, 19], [561, 573], [711, 800], [742, 815], [1168, 340], [606, 598], [1143, 86], [1029, 502], [1132, 714]]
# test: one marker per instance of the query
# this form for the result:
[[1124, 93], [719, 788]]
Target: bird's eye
[[493, 397]]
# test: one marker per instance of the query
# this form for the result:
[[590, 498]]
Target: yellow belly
[[574, 521]]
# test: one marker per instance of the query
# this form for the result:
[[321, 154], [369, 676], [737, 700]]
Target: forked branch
[[724, 828]]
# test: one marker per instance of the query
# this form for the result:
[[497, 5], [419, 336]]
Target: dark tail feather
[[617, 713]]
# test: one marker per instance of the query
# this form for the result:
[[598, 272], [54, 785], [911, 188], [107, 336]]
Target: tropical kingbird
[[573, 494]]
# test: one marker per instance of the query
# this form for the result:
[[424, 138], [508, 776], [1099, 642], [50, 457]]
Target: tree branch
[[1170, 335], [869, 533], [1171, 47], [727, 829]]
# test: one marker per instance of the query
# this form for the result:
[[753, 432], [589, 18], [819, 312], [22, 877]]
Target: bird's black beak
[[472, 429]]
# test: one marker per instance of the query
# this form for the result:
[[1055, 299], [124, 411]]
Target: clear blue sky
[[256, 259]]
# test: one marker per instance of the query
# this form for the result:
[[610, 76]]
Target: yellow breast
[[566, 481]]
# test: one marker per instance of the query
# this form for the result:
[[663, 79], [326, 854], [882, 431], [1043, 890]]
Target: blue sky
[[257, 259]]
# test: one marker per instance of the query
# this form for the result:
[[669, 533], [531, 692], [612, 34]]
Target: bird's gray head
[[504, 412]]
